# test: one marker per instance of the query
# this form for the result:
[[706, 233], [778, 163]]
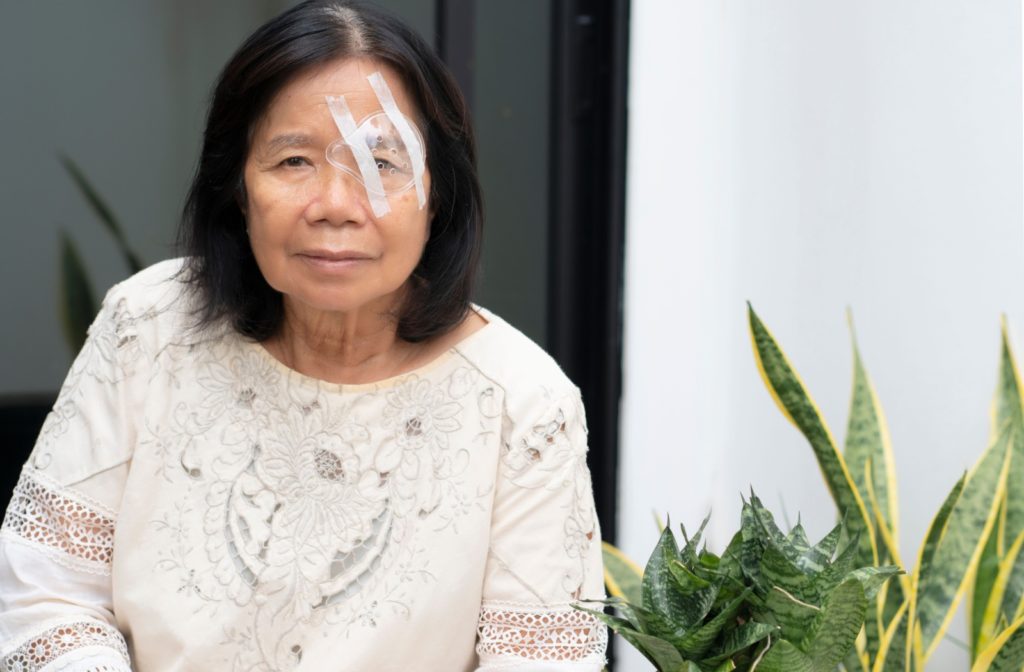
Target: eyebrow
[[279, 142]]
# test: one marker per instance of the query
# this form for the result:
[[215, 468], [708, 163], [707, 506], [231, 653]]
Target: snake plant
[[973, 547], [771, 601]]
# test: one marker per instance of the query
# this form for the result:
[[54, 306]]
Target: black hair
[[220, 266]]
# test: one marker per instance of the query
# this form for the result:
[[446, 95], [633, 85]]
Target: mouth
[[338, 260]]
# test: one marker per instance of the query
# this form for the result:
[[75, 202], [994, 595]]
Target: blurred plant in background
[[78, 304]]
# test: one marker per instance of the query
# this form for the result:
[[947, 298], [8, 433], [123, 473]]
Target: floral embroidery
[[420, 417], [307, 517], [514, 634], [74, 533], [287, 510], [109, 355], [65, 640], [547, 457]]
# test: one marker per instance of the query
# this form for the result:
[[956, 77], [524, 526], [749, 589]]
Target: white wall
[[810, 155]]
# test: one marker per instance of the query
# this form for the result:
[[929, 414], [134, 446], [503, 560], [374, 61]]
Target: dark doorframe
[[588, 187], [456, 41], [590, 48]]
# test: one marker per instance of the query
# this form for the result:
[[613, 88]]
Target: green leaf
[[661, 653], [793, 616], [853, 662], [873, 578], [981, 591], [784, 657], [834, 574], [834, 631], [658, 651], [623, 609], [729, 566], [697, 643], [797, 539], [694, 595], [621, 575], [689, 551], [938, 526], [651, 622], [738, 640], [766, 528], [867, 440], [778, 571], [818, 556], [892, 649], [78, 303], [1009, 409], [796, 404], [102, 211], [995, 611], [1005, 653], [655, 592], [943, 579]]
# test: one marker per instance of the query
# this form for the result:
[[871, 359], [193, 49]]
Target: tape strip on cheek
[[364, 159], [409, 138]]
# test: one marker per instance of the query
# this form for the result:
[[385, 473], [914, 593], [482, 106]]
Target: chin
[[341, 302]]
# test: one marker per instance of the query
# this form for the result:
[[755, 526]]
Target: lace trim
[[64, 640], [43, 515], [539, 633]]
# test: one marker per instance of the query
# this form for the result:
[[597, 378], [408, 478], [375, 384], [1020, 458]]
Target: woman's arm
[[545, 551], [57, 538]]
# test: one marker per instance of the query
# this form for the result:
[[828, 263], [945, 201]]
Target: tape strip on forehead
[[409, 137], [364, 158]]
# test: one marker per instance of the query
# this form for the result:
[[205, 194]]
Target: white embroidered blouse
[[193, 504]]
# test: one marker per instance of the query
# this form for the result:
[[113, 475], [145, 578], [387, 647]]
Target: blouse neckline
[[391, 381]]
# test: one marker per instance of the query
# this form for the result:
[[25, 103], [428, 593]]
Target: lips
[[335, 255], [335, 262]]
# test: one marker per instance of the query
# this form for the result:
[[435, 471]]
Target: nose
[[339, 199]]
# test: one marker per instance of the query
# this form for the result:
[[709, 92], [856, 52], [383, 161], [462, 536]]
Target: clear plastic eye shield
[[384, 151]]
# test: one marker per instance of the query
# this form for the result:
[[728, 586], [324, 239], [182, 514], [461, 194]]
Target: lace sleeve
[[72, 647], [545, 551], [57, 537]]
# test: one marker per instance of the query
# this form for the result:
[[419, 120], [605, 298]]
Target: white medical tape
[[409, 137], [364, 158]]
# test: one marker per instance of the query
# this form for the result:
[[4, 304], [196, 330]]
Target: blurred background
[[648, 167]]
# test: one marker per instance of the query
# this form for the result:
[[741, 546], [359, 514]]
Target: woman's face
[[311, 226]]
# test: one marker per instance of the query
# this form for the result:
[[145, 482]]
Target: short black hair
[[220, 266]]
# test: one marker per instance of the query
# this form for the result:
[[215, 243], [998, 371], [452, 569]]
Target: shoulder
[[531, 380], [155, 304], [152, 287]]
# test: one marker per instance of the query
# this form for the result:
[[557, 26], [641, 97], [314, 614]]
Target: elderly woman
[[302, 447]]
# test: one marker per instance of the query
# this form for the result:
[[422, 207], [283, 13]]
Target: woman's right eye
[[294, 162]]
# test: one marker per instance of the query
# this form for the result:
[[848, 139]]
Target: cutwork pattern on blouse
[[532, 633], [73, 531], [282, 474], [65, 641], [548, 457]]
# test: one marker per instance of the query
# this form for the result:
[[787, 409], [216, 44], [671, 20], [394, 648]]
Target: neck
[[354, 347]]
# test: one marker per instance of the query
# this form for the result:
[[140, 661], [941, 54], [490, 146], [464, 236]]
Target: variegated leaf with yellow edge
[[1005, 653], [793, 399], [622, 576], [994, 608], [941, 580]]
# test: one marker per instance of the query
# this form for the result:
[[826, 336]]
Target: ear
[[242, 196]]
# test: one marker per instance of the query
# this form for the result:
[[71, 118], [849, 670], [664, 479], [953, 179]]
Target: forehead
[[302, 102]]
